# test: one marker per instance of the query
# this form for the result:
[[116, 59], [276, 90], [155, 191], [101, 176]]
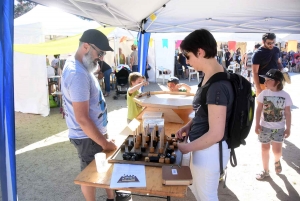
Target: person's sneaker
[[121, 196]]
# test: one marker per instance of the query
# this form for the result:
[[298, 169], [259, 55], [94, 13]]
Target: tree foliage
[[22, 7]]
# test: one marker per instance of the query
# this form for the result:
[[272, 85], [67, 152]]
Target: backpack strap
[[233, 161], [221, 158], [216, 77]]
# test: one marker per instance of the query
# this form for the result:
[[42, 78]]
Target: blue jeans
[[107, 80]]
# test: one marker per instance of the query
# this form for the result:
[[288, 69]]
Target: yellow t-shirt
[[133, 109]]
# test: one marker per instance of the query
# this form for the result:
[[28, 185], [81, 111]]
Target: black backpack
[[242, 111]]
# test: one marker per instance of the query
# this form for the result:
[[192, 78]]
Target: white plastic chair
[[192, 71], [233, 67], [163, 72]]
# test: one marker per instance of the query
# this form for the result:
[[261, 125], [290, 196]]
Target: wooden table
[[169, 103], [90, 177]]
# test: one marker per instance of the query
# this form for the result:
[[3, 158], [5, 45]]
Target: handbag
[[286, 75]]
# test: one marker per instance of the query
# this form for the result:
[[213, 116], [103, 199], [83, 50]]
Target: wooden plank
[[90, 177]]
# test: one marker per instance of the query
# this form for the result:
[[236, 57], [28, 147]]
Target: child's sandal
[[263, 174], [278, 167]]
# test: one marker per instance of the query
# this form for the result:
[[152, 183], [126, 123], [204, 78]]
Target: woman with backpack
[[209, 126]]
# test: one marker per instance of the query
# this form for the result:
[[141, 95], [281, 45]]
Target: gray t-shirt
[[78, 85], [134, 54], [219, 93]]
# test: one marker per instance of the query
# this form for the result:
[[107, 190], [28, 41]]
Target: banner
[[151, 42], [232, 46], [292, 45], [165, 43], [177, 44]]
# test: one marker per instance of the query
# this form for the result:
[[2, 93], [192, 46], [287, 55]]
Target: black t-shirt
[[182, 60], [266, 59], [227, 55], [219, 93], [104, 66]]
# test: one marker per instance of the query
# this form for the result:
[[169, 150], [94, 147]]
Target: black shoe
[[120, 196]]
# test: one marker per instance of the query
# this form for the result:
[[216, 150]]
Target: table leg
[[168, 198]]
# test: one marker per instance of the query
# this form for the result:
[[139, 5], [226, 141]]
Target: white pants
[[205, 169]]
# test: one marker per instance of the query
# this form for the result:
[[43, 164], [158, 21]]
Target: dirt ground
[[47, 162]]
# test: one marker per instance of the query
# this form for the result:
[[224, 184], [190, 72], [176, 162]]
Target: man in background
[[134, 59], [248, 62], [55, 63], [265, 58]]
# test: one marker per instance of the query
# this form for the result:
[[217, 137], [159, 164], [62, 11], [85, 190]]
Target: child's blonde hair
[[134, 76]]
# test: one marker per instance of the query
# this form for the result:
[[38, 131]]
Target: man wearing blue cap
[[84, 103]]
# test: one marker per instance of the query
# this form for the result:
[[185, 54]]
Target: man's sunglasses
[[100, 53], [270, 43]]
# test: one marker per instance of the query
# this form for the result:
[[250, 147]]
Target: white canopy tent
[[225, 17], [187, 15], [234, 18], [30, 72]]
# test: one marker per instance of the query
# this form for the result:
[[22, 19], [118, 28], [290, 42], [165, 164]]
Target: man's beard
[[89, 63]]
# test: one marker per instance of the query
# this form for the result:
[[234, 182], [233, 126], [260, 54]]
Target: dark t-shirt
[[104, 66], [182, 60], [219, 93], [266, 59], [227, 55]]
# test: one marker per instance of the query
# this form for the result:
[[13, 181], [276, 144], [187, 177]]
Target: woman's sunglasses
[[185, 54]]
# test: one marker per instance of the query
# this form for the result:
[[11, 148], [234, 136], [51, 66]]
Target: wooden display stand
[[147, 146], [166, 102], [90, 177]]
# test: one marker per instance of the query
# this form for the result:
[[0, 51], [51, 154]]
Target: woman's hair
[[270, 36], [133, 46], [200, 39], [134, 76]]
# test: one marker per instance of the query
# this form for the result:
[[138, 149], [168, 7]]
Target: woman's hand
[[183, 147], [185, 129]]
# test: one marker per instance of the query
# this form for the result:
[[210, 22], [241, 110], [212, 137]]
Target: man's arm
[[81, 111], [255, 68], [280, 67]]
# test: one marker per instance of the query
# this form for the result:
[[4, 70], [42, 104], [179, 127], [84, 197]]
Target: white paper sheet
[[127, 175]]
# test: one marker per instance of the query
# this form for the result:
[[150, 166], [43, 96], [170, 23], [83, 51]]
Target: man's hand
[[109, 145]]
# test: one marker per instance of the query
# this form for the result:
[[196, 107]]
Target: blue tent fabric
[[7, 115], [143, 45]]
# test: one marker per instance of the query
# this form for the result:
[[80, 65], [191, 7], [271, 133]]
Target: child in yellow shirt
[[136, 81]]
